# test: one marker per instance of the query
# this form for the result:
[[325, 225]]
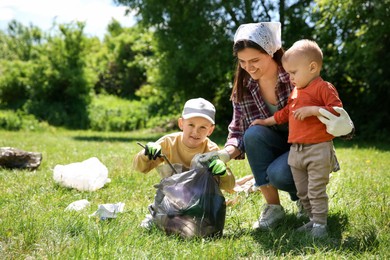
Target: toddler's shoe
[[319, 231], [306, 227]]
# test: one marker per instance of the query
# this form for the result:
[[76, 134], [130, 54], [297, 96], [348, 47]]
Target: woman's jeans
[[267, 152]]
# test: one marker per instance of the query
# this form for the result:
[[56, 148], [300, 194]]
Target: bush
[[60, 84], [18, 120], [111, 113], [14, 83]]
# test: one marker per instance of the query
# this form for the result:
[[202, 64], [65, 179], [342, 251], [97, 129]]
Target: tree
[[18, 46], [19, 41], [60, 87], [195, 41], [356, 39], [123, 61]]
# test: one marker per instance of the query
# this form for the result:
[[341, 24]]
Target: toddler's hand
[[303, 112]]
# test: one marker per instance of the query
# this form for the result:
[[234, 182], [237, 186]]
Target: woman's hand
[[266, 122], [258, 122]]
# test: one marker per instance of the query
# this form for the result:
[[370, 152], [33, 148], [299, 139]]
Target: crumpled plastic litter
[[246, 184], [106, 211], [77, 205], [88, 175]]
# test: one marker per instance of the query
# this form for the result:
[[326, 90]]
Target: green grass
[[34, 225]]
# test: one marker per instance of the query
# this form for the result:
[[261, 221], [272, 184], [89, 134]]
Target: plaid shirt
[[253, 107]]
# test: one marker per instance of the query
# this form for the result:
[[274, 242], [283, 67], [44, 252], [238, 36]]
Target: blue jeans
[[267, 152]]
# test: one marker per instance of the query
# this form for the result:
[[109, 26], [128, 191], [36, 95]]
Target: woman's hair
[[241, 76]]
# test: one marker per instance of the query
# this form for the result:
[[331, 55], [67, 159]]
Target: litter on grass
[[88, 175], [77, 205], [106, 211]]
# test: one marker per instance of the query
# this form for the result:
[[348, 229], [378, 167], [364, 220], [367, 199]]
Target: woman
[[261, 87]]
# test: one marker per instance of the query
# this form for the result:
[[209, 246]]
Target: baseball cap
[[199, 107]]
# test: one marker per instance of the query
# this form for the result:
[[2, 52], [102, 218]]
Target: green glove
[[217, 167], [152, 150]]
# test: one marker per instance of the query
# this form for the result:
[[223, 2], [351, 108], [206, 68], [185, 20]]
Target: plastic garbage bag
[[106, 211], [165, 170], [189, 204], [88, 175], [77, 205]]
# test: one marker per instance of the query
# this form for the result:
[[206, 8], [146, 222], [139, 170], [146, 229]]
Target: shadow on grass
[[148, 138], [359, 143], [284, 240]]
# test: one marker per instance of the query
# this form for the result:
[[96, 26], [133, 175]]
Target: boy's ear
[[211, 130], [180, 123]]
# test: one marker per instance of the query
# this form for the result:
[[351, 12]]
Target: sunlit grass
[[34, 224]]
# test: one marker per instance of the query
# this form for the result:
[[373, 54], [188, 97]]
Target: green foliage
[[195, 49], [15, 121], [20, 41], [60, 91], [35, 225], [111, 113], [181, 50], [357, 49], [14, 83], [298, 22], [124, 60]]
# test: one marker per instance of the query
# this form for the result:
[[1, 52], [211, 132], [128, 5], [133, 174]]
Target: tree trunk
[[15, 158]]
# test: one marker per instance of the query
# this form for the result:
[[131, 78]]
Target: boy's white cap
[[266, 34], [199, 107]]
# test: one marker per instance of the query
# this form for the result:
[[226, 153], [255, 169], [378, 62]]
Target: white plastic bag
[[88, 175], [77, 205], [106, 211]]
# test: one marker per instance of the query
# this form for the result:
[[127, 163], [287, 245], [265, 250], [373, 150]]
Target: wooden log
[[13, 158]]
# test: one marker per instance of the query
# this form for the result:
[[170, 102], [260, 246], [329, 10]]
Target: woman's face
[[255, 62]]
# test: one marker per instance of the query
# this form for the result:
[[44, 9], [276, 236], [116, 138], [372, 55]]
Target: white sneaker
[[270, 217], [148, 222]]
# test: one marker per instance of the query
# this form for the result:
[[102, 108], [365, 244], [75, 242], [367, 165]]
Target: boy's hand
[[221, 154], [217, 167], [152, 150]]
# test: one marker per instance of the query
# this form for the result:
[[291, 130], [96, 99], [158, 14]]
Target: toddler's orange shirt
[[310, 130]]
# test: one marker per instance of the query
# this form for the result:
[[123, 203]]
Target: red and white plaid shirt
[[253, 107]]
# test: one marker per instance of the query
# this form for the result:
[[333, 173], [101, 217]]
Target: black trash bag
[[189, 204]]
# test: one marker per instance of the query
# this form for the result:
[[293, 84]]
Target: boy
[[311, 156], [197, 123]]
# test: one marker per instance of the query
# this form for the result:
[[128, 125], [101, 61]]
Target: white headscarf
[[266, 34]]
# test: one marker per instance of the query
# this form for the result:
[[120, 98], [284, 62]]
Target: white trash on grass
[[77, 205], [88, 175], [106, 211]]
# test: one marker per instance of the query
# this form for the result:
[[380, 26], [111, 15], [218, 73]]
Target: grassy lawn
[[34, 225]]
